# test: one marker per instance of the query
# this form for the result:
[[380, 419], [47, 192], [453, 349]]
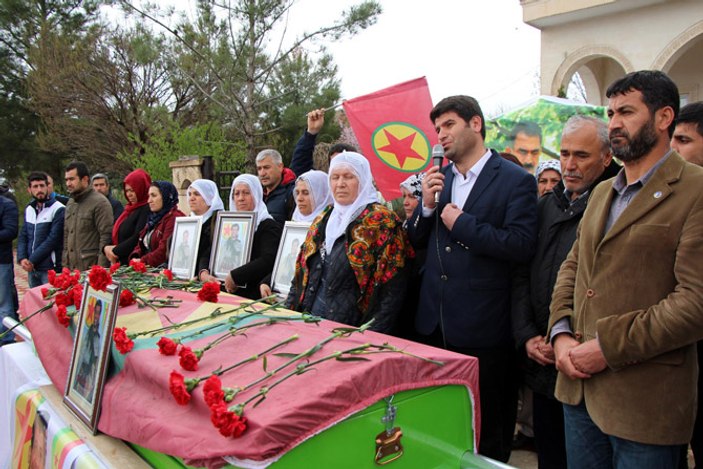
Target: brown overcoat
[[639, 289], [87, 229]]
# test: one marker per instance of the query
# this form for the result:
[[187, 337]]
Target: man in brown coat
[[627, 307], [88, 219]]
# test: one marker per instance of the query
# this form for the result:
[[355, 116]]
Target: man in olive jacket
[[627, 308], [88, 219]]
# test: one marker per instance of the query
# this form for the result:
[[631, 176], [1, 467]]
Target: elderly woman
[[352, 265], [411, 190], [247, 195], [312, 196], [204, 201], [125, 231], [153, 242], [548, 175]]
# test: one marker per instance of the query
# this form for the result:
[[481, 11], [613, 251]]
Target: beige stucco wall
[[636, 38]]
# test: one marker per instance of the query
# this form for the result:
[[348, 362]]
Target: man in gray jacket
[[88, 221]]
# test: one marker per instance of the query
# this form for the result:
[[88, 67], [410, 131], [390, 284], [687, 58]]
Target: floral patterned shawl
[[376, 244]]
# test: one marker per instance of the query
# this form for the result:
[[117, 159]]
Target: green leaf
[[352, 359]]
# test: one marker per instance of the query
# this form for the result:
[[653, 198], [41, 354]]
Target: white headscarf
[[210, 194], [319, 187], [257, 192], [342, 215]]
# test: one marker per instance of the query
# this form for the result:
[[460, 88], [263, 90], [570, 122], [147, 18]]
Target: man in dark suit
[[485, 223]]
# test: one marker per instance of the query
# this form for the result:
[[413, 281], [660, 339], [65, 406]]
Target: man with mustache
[[627, 308], [585, 161]]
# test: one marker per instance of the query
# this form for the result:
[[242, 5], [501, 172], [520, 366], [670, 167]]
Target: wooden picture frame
[[232, 242], [294, 234], [183, 258], [91, 353]]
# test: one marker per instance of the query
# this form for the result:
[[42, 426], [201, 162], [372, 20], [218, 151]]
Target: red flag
[[394, 132]]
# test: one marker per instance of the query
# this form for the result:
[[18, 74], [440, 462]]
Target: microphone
[[437, 160]]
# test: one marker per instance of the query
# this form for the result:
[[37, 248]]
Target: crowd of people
[[574, 281]]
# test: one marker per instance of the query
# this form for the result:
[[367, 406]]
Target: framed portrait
[[284, 268], [183, 258], [234, 235], [91, 353]]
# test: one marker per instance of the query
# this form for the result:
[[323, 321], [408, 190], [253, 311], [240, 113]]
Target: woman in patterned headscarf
[[352, 265], [411, 189], [154, 237], [247, 195]]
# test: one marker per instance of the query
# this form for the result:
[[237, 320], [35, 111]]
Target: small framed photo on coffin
[[183, 258], [234, 236], [91, 353], [284, 268]]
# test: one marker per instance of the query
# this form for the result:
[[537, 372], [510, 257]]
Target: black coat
[[128, 233], [558, 221], [342, 291], [205, 245], [263, 256]]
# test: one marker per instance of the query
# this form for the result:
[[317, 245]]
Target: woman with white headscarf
[[312, 196], [204, 201], [247, 195], [352, 265]]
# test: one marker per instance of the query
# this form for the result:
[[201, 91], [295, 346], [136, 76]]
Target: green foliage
[[23, 25], [549, 113], [170, 143]]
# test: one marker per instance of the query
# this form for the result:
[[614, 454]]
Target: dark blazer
[[467, 279], [263, 256], [128, 233]]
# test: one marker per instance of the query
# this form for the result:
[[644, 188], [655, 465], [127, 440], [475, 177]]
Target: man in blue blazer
[[484, 223]]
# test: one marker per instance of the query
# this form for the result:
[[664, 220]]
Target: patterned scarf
[[376, 246]]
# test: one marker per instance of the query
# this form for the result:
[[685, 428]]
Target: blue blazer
[[468, 271]]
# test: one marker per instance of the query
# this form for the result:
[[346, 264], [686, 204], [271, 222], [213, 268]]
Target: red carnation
[[212, 391], [168, 274], [138, 266], [62, 316], [52, 277], [76, 278], [167, 346], [127, 298], [99, 278], [189, 359], [114, 267], [177, 386], [123, 343], [229, 423], [62, 298], [209, 292], [44, 292], [77, 292]]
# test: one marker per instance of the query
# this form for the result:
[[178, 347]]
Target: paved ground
[[20, 280]]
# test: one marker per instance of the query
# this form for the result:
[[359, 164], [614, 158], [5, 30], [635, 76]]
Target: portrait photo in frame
[[284, 268], [91, 353], [183, 258], [231, 244]]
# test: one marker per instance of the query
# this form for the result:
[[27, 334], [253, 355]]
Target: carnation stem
[[40, 310]]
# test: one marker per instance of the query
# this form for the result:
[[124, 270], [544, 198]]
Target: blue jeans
[[37, 278], [588, 447], [7, 299]]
